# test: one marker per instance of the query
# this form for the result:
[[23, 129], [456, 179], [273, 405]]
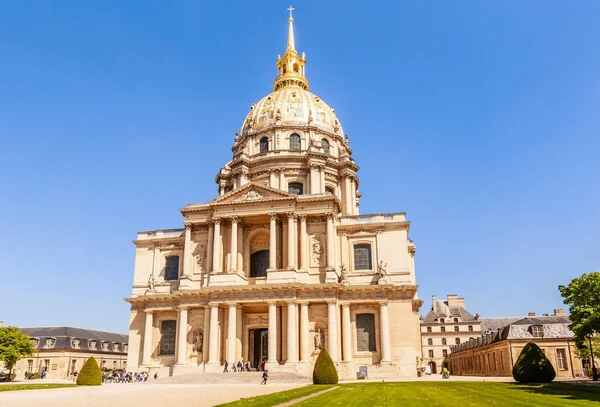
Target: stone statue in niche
[[200, 256], [317, 251], [381, 268], [198, 340], [319, 339], [151, 282], [343, 275]]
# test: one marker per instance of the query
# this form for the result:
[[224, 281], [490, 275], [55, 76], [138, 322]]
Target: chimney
[[452, 300], [557, 312], [434, 302], [531, 314]]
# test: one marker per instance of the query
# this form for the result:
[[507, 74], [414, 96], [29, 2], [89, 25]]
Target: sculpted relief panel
[[200, 256], [317, 251]]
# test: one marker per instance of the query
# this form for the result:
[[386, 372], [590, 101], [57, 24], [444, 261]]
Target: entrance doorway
[[259, 263], [433, 367], [259, 345]]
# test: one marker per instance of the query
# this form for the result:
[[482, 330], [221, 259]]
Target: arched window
[[329, 191], [362, 256], [295, 142], [264, 144], [172, 268], [295, 188], [167, 337], [325, 145]]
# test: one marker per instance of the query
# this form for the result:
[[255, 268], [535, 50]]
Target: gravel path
[[141, 395]]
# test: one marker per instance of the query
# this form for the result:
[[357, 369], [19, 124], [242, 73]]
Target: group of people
[[120, 376], [240, 366]]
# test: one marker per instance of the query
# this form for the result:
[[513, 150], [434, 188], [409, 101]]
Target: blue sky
[[480, 119]]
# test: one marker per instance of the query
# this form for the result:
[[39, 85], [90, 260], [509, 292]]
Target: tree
[[533, 366], [582, 295], [90, 374], [14, 345], [324, 371]]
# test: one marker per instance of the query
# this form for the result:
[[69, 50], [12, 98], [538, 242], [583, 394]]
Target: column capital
[[213, 305], [232, 304], [272, 302], [273, 215], [216, 220], [290, 215], [206, 306], [383, 303], [149, 311], [345, 304], [302, 217], [281, 169], [183, 308], [234, 219], [332, 302], [330, 215], [303, 302], [291, 302], [188, 225]]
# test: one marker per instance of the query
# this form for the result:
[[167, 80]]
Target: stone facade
[[495, 352], [447, 323], [280, 265], [63, 350]]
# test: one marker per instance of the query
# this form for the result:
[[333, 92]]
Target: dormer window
[[125, 347], [92, 345], [442, 320], [49, 343], [76, 343], [105, 346], [295, 142], [537, 331], [116, 347], [34, 342]]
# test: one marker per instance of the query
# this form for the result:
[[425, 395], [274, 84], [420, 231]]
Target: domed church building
[[280, 265]]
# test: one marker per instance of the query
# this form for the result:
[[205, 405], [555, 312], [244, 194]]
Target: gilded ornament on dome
[[294, 104], [266, 112]]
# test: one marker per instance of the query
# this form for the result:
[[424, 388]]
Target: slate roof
[[492, 324], [64, 334], [444, 311]]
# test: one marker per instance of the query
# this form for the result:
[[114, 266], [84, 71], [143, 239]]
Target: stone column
[[217, 261], [232, 333], [313, 180], [304, 346], [347, 333], [188, 267], [213, 343], [330, 242], [322, 180], [240, 254], [272, 178], [303, 243], [384, 328], [347, 198], [292, 328], [234, 241], [221, 189], [205, 334], [353, 196], [273, 242], [182, 336], [290, 240], [209, 248], [147, 356], [282, 185], [272, 334], [332, 328]]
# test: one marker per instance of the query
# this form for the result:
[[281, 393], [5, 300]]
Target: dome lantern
[[291, 67]]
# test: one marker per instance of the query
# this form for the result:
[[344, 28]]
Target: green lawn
[[276, 398], [14, 387], [433, 394]]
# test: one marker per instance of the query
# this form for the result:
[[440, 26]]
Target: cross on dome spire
[[291, 65]]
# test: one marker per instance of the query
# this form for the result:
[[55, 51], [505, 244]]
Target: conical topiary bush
[[90, 374], [533, 366], [324, 371]]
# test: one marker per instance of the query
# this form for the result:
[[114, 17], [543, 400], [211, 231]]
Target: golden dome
[[291, 104]]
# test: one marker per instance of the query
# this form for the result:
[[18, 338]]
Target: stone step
[[238, 377]]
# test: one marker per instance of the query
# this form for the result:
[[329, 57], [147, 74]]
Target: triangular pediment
[[252, 193]]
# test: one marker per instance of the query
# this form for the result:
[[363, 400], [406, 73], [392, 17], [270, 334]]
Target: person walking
[[445, 373], [265, 377], [226, 365]]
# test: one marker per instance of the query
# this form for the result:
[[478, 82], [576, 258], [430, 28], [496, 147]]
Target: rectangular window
[[172, 268], [365, 333], [295, 188], [445, 353], [362, 257], [30, 365], [167, 337], [443, 329], [537, 331], [430, 342], [457, 341], [431, 353], [501, 361], [428, 329], [470, 328], [443, 341], [561, 359], [456, 329]]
